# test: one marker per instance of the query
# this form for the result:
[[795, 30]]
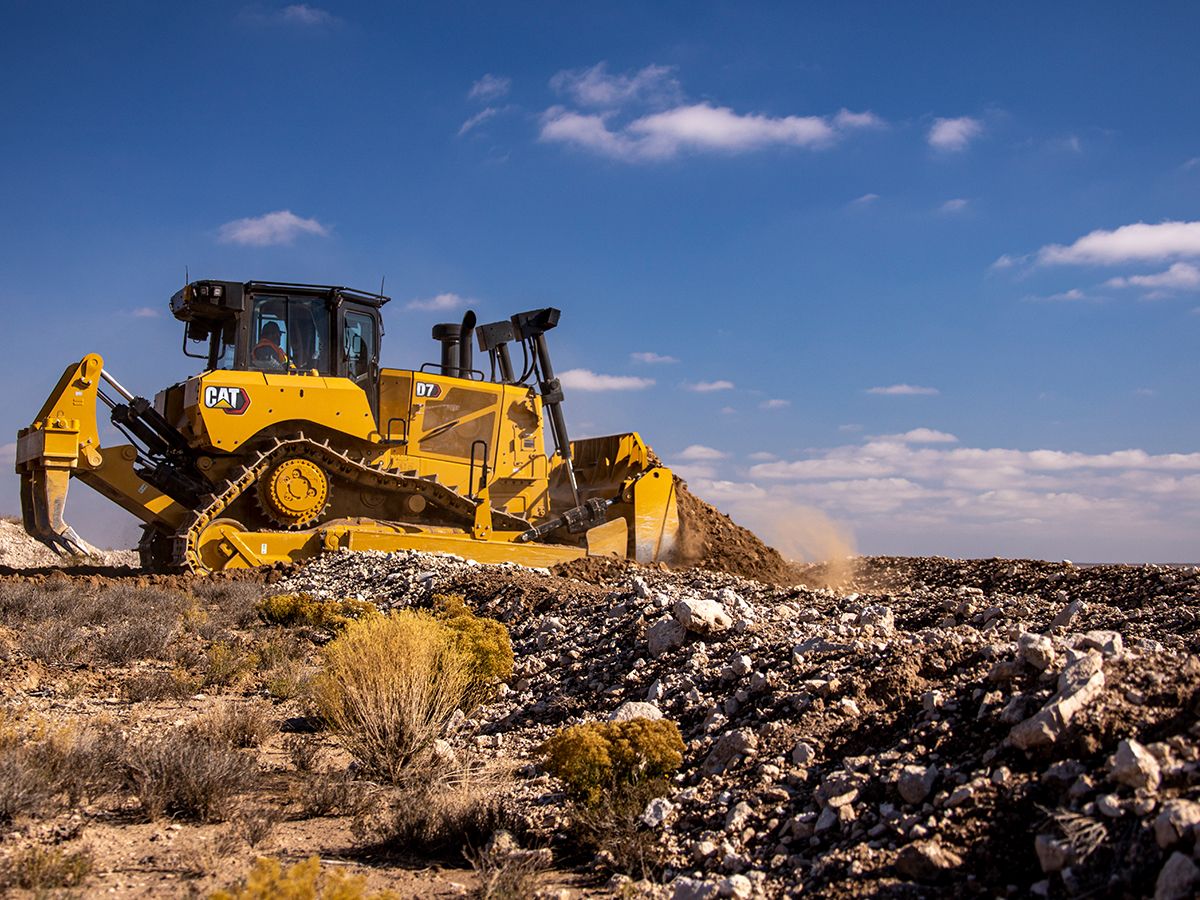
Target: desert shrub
[[134, 638], [304, 609], [449, 808], [232, 602], [173, 685], [506, 872], [303, 752], [484, 642], [176, 775], [25, 601], [328, 794], [389, 685], [281, 664], [239, 725], [268, 880], [41, 769], [41, 869], [602, 759], [54, 642], [255, 825], [226, 663]]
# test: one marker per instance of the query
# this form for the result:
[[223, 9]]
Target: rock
[[1135, 766], [1037, 650], [737, 886], [1175, 820], [879, 617], [741, 665], [655, 691], [803, 754], [657, 812], [916, 782], [737, 817], [664, 636], [1109, 805], [1107, 642], [931, 701], [926, 860], [684, 888], [1053, 854], [1177, 879], [729, 748], [1068, 614], [1079, 683], [701, 616], [635, 709]]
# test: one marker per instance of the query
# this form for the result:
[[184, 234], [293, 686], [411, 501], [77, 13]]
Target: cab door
[[359, 352]]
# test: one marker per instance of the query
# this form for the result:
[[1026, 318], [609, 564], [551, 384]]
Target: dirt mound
[[709, 539], [19, 551]]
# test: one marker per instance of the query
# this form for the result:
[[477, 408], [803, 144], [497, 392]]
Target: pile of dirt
[[709, 539], [19, 551], [1007, 726]]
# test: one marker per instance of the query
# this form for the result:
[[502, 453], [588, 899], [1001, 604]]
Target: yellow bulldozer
[[293, 442]]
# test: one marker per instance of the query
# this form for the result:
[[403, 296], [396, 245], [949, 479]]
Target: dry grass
[[238, 725], [173, 685], [43, 771], [505, 872], [43, 869], [389, 686], [129, 639], [178, 776]]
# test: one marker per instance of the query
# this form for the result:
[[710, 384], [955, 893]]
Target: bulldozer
[[293, 441]]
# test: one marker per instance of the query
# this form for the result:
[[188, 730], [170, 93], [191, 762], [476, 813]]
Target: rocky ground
[[995, 727]]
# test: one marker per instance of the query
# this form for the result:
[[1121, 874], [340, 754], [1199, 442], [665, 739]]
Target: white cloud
[[490, 87], [303, 14], [864, 200], [8, 454], [1138, 242], [956, 205], [848, 120], [586, 380], [775, 403], [268, 230], [439, 302], [730, 411], [596, 87], [1179, 277], [953, 135], [762, 456], [1074, 295], [903, 390], [651, 358], [478, 119], [920, 436], [700, 453], [707, 387], [1191, 163], [146, 312], [850, 427]]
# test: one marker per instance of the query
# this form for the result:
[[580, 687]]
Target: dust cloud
[[821, 549]]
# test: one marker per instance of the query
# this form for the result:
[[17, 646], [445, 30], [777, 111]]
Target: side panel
[[226, 408]]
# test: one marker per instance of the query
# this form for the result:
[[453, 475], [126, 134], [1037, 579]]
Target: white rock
[[657, 811], [1068, 614], [916, 782], [664, 636], [1107, 642], [1177, 879], [635, 709], [1053, 854], [737, 817], [737, 886], [684, 888], [702, 616], [741, 665], [655, 691], [1037, 650], [880, 617], [1175, 820], [1135, 766], [803, 754]]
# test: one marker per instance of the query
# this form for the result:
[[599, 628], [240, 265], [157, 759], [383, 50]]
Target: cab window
[[289, 334], [358, 345]]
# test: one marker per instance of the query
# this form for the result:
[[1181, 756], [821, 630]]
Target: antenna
[[382, 279], [186, 279]]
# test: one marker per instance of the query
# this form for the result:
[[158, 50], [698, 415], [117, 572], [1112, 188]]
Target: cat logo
[[428, 390], [232, 400]]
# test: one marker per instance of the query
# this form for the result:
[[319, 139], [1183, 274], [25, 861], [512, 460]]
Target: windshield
[[289, 334]]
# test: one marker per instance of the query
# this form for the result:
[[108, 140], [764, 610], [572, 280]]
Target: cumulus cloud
[[597, 87], [955, 205], [775, 403], [700, 453], [587, 380], [145, 312], [903, 390], [954, 135], [270, 229], [8, 454], [490, 87], [1139, 242], [439, 302], [864, 200], [920, 436], [1179, 277], [708, 387], [1073, 295], [599, 120], [651, 358]]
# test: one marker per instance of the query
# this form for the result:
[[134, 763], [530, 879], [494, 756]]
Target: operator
[[268, 349]]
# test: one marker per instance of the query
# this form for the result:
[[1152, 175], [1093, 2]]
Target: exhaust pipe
[[466, 332], [449, 335]]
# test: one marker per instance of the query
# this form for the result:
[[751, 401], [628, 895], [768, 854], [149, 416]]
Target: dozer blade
[[43, 500]]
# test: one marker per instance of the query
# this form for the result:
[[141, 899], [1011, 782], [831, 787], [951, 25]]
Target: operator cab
[[295, 329]]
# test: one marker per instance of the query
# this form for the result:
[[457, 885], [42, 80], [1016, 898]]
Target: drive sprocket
[[294, 492]]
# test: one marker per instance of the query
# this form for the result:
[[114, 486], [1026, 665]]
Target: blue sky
[[927, 276]]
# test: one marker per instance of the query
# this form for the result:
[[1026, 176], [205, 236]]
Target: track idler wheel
[[294, 492]]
